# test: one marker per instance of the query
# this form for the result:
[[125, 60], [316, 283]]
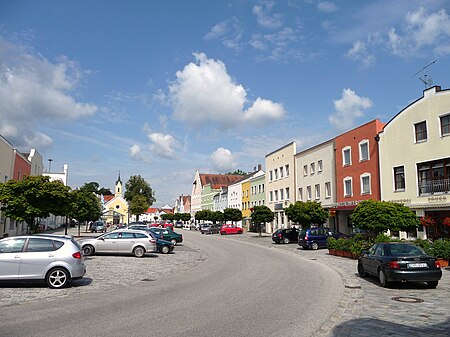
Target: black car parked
[[399, 262], [285, 235]]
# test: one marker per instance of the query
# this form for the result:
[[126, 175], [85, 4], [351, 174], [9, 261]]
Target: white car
[[120, 241]]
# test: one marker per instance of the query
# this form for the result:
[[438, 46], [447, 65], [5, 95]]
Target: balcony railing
[[434, 186]]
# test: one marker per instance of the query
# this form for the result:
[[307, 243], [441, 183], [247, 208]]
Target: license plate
[[417, 265]]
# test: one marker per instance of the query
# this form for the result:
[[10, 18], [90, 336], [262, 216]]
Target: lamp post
[[49, 164]]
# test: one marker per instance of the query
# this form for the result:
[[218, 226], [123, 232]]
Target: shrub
[[441, 248], [382, 238], [331, 243], [426, 245]]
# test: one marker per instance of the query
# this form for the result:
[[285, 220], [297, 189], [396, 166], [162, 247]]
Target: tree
[[204, 214], [166, 217], [90, 187], [379, 216], [232, 214], [216, 216], [261, 215], [306, 213], [104, 191], [185, 216], [237, 172], [34, 197], [85, 206], [136, 185]]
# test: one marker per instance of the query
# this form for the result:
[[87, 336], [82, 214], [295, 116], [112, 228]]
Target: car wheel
[[88, 250], [305, 247], [222, 233], [432, 284], [361, 270], [174, 241], [286, 240], [202, 232], [139, 252], [57, 278], [239, 232], [315, 246], [165, 249], [382, 278]]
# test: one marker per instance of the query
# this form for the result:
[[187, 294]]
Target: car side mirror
[[101, 239]]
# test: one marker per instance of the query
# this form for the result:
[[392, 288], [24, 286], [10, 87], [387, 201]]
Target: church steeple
[[118, 186]]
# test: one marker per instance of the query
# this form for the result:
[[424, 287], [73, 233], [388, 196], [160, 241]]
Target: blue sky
[[162, 88]]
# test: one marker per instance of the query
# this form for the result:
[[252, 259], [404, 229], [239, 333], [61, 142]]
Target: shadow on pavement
[[375, 327]]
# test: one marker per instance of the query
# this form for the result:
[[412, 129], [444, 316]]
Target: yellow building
[[115, 207], [246, 213]]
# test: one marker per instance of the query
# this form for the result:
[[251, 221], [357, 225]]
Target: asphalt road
[[241, 289]]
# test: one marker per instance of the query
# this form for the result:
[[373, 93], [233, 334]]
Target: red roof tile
[[218, 180]]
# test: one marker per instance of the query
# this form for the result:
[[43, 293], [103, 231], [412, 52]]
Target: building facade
[[115, 207], [415, 160], [357, 171], [316, 176], [280, 184]]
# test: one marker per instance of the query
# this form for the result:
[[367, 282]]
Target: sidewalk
[[367, 309]]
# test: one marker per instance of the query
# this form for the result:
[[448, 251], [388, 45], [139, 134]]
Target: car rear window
[[302, 232], [405, 250]]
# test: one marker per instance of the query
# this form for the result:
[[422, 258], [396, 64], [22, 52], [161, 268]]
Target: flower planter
[[442, 262], [355, 256], [348, 254], [339, 252], [331, 251]]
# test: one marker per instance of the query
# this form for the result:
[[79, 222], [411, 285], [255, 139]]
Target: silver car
[[56, 259], [134, 242]]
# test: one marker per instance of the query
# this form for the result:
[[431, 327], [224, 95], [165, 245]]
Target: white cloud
[[135, 152], [265, 18], [359, 52], [38, 140], [421, 31], [163, 145], [327, 7], [205, 94], [229, 32], [348, 109], [222, 160], [34, 90]]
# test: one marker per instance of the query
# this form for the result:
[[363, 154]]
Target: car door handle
[[51, 255], [17, 257]]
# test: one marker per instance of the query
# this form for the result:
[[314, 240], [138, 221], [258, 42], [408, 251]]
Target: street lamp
[[49, 164]]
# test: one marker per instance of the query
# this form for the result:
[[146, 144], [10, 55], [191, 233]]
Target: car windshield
[[405, 250]]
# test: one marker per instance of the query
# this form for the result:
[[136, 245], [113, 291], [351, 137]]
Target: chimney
[[259, 167]]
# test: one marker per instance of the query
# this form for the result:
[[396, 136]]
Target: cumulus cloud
[[205, 94], [222, 160], [35, 90], [265, 17], [348, 109], [135, 152], [163, 145], [327, 7]]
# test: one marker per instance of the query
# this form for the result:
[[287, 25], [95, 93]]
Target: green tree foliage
[[104, 191], [138, 205], [216, 216], [204, 214], [137, 186], [261, 215], [306, 213], [185, 216], [166, 217], [379, 216], [232, 214], [94, 187], [177, 216], [238, 172], [34, 197], [85, 206]]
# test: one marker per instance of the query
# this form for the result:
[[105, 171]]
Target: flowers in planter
[[427, 221], [446, 221]]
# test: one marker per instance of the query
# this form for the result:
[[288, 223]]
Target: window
[[348, 187], [399, 178], [281, 194], [346, 156], [276, 195], [305, 170], [313, 168], [319, 166], [421, 131], [364, 150], [270, 196], [12, 246], [270, 175], [300, 194], [317, 190], [445, 125], [286, 169], [281, 172], [308, 192], [365, 183], [327, 190], [276, 174], [287, 193]]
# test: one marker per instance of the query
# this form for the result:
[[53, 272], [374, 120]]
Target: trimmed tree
[[85, 206], [261, 215], [137, 186], [306, 213], [232, 214], [379, 216]]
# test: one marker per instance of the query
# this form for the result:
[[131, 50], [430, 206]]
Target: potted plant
[[427, 221], [441, 249], [331, 245]]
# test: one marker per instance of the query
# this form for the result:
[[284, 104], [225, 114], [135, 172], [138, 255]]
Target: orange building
[[357, 170]]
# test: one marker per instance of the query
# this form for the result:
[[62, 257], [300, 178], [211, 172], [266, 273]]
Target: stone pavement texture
[[365, 310]]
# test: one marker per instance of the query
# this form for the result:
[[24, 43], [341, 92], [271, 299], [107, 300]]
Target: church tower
[[118, 187]]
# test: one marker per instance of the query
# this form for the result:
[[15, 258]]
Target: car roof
[[44, 236]]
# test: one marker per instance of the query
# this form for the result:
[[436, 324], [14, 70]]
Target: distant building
[[115, 207]]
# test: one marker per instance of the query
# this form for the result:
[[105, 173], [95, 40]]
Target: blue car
[[316, 238], [164, 247]]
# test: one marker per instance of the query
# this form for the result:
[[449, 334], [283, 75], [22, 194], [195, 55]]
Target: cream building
[[115, 208], [280, 184], [316, 176], [415, 159]]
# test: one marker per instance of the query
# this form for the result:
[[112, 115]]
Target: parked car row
[[311, 238]]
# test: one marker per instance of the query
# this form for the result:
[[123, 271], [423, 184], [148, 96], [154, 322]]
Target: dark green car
[[168, 234]]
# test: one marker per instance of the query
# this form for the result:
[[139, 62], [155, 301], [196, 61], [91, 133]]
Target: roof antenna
[[426, 81]]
